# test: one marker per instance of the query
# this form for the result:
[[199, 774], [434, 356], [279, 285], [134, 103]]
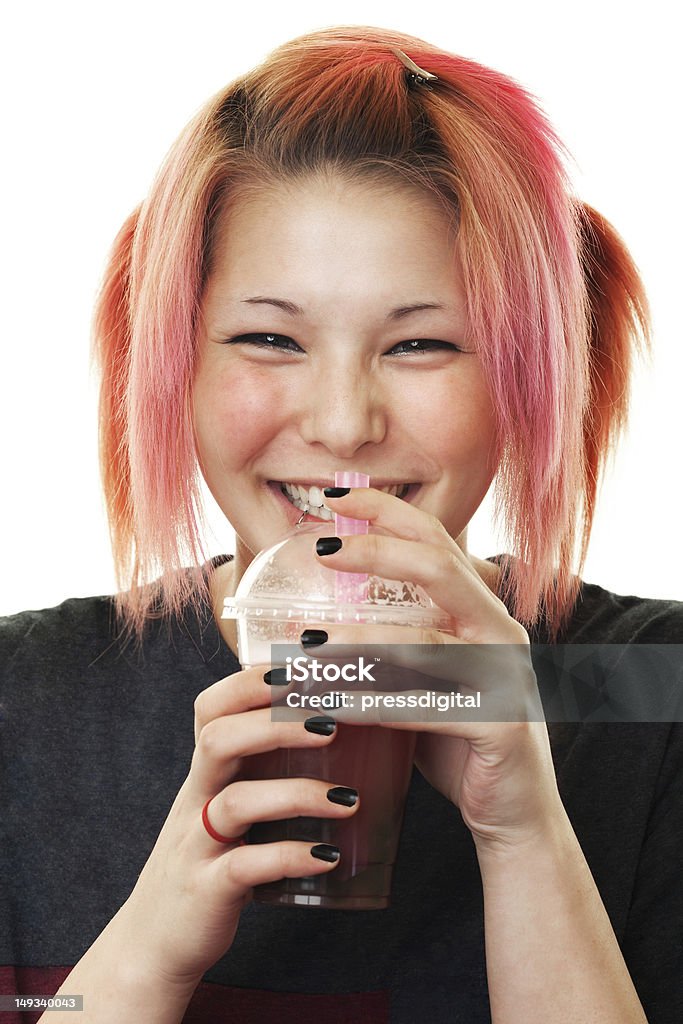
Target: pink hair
[[555, 303]]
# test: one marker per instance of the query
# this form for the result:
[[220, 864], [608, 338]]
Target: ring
[[239, 840]]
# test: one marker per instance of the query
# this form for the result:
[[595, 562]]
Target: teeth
[[312, 499], [315, 497]]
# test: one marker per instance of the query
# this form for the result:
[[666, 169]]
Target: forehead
[[328, 235]]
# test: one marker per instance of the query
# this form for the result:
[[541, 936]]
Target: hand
[[184, 910], [499, 773]]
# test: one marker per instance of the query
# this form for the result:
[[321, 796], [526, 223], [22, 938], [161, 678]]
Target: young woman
[[362, 255]]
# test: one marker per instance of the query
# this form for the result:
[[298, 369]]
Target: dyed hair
[[555, 305]]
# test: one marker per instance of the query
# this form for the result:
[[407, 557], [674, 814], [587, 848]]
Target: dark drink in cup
[[378, 763]]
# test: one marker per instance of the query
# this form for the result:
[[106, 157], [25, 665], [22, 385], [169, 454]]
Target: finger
[[415, 706], [224, 741], [418, 648], [461, 593], [431, 710], [386, 511], [401, 516], [236, 693], [232, 811], [246, 866], [420, 657]]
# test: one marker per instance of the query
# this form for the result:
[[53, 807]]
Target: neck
[[224, 583]]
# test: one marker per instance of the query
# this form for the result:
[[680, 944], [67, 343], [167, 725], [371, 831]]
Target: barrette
[[417, 75]]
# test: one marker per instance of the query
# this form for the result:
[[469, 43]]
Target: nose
[[344, 410]]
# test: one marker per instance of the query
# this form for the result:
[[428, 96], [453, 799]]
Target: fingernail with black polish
[[323, 851], [327, 545], [335, 492], [313, 638], [343, 795], [276, 677], [320, 724]]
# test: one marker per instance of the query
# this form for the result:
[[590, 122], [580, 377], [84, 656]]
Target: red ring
[[237, 840]]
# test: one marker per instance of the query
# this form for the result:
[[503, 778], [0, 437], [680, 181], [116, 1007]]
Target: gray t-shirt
[[95, 742]]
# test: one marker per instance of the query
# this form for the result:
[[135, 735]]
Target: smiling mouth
[[312, 499]]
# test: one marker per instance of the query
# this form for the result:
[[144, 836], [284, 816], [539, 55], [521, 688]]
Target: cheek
[[234, 415], [473, 438], [464, 443], [457, 424]]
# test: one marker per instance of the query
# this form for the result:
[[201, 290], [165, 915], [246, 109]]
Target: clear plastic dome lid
[[288, 581]]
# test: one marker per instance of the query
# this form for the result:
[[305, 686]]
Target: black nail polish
[[276, 677], [320, 724], [323, 851], [313, 638], [335, 492], [343, 795], [327, 545]]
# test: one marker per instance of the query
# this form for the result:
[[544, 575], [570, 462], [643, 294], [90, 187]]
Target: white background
[[92, 98]]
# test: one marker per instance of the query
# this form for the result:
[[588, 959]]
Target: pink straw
[[350, 587]]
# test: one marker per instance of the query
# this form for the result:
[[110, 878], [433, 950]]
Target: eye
[[280, 342], [423, 345]]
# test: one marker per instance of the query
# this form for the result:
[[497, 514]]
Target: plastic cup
[[285, 590], [378, 763]]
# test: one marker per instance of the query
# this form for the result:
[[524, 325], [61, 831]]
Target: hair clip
[[416, 75]]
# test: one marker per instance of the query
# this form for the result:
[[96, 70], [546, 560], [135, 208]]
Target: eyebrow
[[293, 310]]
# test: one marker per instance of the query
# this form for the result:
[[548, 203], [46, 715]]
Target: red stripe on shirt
[[215, 1004]]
